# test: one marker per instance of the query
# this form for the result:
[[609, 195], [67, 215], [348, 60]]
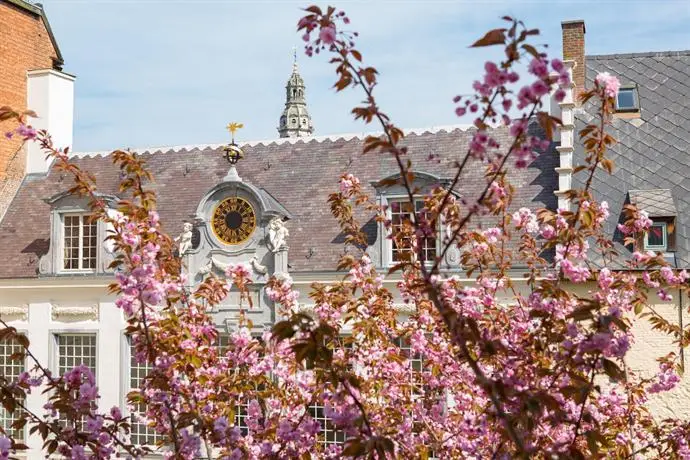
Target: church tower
[[295, 120]]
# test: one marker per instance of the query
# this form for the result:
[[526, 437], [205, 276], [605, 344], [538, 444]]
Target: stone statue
[[258, 268], [277, 233], [185, 238]]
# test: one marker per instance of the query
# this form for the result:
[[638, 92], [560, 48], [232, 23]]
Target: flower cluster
[[469, 362], [609, 83]]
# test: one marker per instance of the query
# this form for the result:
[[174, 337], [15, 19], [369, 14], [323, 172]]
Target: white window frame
[[127, 387], [55, 344], [5, 417], [83, 217], [241, 409], [55, 355], [664, 246], [387, 242], [329, 434]]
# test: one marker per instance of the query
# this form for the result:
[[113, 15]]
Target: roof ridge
[[642, 54], [278, 141]]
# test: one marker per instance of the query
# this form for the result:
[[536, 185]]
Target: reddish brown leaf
[[492, 37]]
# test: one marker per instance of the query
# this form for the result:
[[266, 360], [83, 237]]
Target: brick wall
[[574, 49], [24, 45]]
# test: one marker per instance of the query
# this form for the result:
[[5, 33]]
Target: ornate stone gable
[[237, 223]]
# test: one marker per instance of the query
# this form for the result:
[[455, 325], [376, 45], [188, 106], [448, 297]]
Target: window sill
[[76, 272], [628, 115]]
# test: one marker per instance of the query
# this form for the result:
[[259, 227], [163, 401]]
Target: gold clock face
[[233, 220]]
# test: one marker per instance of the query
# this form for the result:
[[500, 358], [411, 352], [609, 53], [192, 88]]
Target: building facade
[[270, 212], [27, 46], [652, 171]]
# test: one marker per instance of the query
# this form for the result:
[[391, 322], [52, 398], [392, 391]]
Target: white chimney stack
[[50, 94]]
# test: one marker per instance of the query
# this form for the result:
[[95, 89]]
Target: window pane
[[401, 211], [141, 433], [626, 98], [329, 434], [10, 368], [89, 244], [242, 406], [656, 236], [80, 242], [74, 350], [71, 242]]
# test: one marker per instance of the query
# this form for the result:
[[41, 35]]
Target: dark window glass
[[626, 99], [656, 236]]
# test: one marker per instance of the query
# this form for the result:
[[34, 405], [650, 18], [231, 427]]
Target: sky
[[175, 72]]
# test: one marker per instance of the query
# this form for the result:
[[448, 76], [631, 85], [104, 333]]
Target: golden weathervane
[[233, 127], [232, 152]]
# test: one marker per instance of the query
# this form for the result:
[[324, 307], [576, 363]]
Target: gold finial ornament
[[233, 127], [233, 152]]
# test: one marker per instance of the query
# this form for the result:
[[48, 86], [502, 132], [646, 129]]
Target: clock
[[233, 220]]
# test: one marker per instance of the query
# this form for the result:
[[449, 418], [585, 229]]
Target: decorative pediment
[[420, 179], [70, 199]]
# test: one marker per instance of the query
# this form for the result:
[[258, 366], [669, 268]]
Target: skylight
[[627, 100]]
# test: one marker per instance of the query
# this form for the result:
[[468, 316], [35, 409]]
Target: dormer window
[[393, 197], [627, 99], [661, 209], [79, 242]]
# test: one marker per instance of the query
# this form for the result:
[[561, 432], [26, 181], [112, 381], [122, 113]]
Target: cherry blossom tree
[[483, 366]]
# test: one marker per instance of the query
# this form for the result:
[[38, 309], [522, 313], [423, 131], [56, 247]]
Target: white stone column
[[110, 346], [41, 346], [567, 140]]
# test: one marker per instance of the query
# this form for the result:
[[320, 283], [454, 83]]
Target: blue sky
[[154, 73]]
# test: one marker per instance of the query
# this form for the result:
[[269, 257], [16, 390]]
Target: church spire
[[295, 120]]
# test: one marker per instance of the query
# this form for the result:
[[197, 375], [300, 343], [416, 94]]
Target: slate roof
[[299, 174], [657, 203], [653, 152]]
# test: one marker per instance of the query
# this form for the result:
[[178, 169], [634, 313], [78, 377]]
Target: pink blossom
[[540, 88], [327, 35], [5, 446], [557, 65], [666, 379], [348, 183], [525, 97], [27, 132], [538, 67], [609, 83]]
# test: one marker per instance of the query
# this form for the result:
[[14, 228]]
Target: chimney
[[49, 93], [574, 50]]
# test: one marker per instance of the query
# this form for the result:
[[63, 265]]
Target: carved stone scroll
[[74, 312], [14, 312]]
